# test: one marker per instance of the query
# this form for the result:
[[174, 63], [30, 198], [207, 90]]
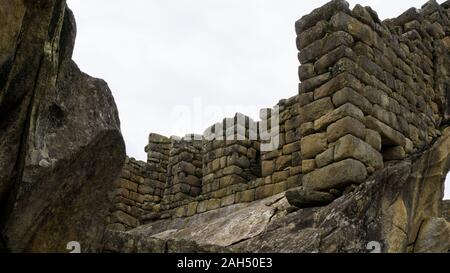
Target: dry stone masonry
[[371, 92], [358, 156]]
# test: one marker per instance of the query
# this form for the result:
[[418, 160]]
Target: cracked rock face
[[60, 142]]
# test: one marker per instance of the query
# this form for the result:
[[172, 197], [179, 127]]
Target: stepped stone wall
[[370, 92]]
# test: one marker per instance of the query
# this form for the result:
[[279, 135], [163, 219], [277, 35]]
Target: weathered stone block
[[245, 196], [126, 184], [294, 181], [121, 217], [346, 95], [180, 212], [346, 110], [202, 206], [143, 189], [330, 59], [373, 138], [306, 129], [323, 13], [308, 166], [353, 147], [192, 208], [264, 191], [305, 98], [339, 82], [279, 187], [311, 35], [193, 181], [139, 198], [325, 158], [389, 136], [320, 47], [227, 200], [360, 31], [232, 170], [283, 162], [336, 175], [268, 167], [315, 110], [212, 204], [313, 144], [291, 148], [306, 71], [280, 176], [312, 83], [342, 127]]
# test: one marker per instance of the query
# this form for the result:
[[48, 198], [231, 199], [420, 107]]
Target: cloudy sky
[[179, 66]]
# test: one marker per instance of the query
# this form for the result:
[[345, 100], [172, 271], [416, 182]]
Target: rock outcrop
[[61, 147]]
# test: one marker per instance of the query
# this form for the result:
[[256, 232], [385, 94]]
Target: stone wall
[[184, 173], [370, 92], [136, 195]]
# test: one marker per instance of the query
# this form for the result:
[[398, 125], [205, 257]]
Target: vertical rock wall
[[61, 148]]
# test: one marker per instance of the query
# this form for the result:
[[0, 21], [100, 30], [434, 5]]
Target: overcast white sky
[[179, 66]]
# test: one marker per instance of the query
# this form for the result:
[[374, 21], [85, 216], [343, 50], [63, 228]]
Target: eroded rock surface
[[60, 142]]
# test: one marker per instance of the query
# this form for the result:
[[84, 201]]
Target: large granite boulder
[[60, 142]]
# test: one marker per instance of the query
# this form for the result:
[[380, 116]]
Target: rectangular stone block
[[280, 176], [192, 208], [330, 59], [309, 85], [353, 147], [344, 22], [339, 82], [308, 166], [311, 35], [279, 187], [389, 136], [336, 176], [143, 189], [126, 184], [346, 110], [294, 181], [325, 158], [321, 47], [312, 145], [283, 162], [212, 204], [342, 127], [373, 138], [227, 200], [202, 206], [267, 167], [347, 94], [264, 191], [315, 110], [323, 13], [290, 148], [245, 196], [139, 198]]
